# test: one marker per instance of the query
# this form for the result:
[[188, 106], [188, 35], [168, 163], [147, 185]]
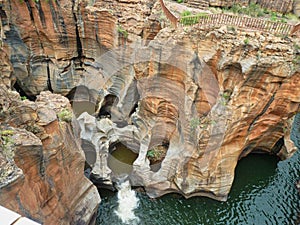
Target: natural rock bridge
[[211, 20]]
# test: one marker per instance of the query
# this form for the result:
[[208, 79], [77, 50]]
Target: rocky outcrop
[[42, 163], [199, 96], [51, 43], [296, 8], [189, 102]]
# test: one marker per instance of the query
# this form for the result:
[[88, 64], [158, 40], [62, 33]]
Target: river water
[[263, 193]]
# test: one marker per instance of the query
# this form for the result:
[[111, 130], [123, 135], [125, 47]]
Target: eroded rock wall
[[210, 95], [204, 97], [42, 162]]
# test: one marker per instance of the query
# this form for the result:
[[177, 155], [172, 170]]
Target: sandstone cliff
[[189, 102], [41, 175]]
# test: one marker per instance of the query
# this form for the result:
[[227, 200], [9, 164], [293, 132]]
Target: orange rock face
[[206, 97], [47, 183]]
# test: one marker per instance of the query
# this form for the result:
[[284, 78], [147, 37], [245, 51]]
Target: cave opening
[[106, 108], [22, 93], [134, 109], [121, 159], [83, 99], [263, 167]]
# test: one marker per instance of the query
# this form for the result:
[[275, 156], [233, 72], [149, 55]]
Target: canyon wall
[[188, 102], [42, 164]]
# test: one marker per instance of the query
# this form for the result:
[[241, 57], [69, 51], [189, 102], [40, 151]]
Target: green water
[[263, 193], [120, 160]]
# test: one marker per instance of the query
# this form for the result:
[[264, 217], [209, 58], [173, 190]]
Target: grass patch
[[122, 32], [246, 41], [65, 115], [192, 19], [157, 153], [6, 143], [194, 123]]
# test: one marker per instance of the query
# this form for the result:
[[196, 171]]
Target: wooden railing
[[173, 19], [211, 20]]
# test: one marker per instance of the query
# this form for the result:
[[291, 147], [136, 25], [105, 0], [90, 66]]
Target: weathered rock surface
[[51, 43], [42, 163], [296, 7], [205, 97], [212, 97]]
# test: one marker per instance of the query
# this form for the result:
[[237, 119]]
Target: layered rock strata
[[189, 102], [42, 164], [207, 98]]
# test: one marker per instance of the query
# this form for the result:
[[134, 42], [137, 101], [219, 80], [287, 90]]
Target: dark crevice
[[58, 21], [54, 16], [277, 147], [41, 13], [33, 23], [30, 10], [134, 109], [20, 90], [263, 111], [49, 78], [78, 40], [3, 14], [105, 111]]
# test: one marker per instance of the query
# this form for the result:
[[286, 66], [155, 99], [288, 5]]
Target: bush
[[246, 41], [192, 19], [194, 123], [65, 115], [186, 13], [122, 32], [252, 9], [6, 142], [157, 153]]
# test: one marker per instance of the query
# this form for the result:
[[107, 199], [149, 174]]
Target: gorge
[[173, 107]]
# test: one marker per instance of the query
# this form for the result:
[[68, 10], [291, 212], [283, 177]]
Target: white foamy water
[[127, 203]]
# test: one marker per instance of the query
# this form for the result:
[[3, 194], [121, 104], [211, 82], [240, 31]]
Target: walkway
[[211, 20], [8, 217], [251, 23]]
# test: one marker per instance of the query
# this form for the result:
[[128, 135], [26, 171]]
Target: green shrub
[[157, 153], [6, 133], [273, 17], [186, 13], [252, 9], [180, 1], [122, 32], [194, 123], [6, 143], [291, 17], [192, 19], [65, 115], [246, 41]]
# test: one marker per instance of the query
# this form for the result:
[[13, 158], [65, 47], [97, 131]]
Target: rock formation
[[42, 164], [189, 102], [296, 7], [202, 96]]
